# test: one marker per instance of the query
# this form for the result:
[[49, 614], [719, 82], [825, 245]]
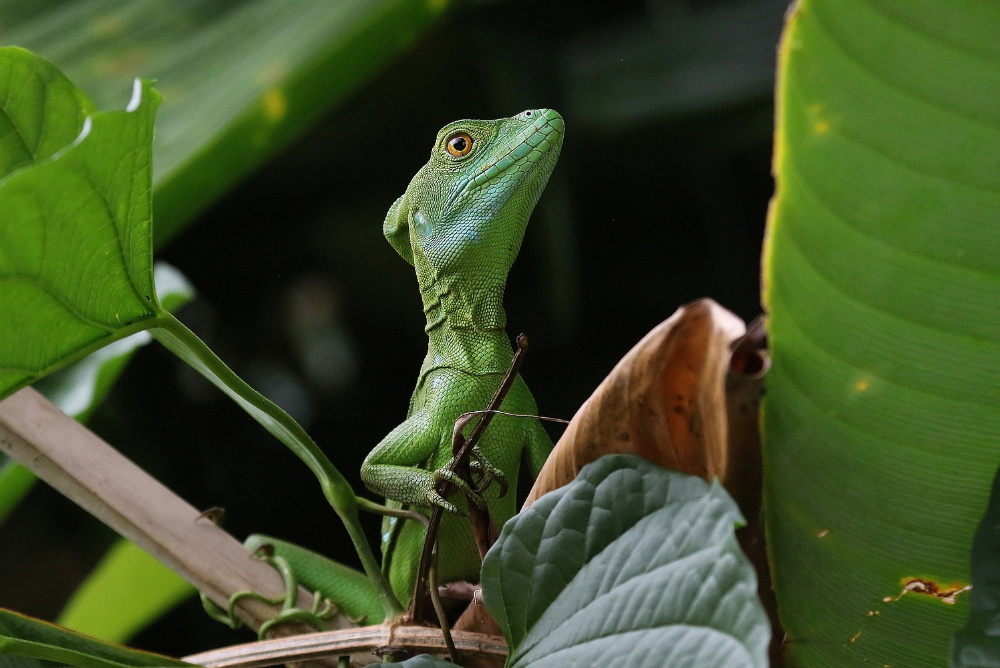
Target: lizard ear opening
[[396, 228]]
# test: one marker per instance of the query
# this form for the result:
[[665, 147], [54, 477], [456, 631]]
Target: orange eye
[[459, 144]]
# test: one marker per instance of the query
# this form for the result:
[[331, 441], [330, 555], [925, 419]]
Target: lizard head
[[464, 214]]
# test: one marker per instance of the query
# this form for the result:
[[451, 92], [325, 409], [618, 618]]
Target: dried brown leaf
[[675, 400]]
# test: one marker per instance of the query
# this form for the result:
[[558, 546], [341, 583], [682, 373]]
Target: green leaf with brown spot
[[882, 276]]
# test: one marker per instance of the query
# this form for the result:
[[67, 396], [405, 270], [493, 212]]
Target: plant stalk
[[184, 343]]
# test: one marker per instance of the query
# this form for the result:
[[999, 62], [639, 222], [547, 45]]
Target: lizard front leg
[[396, 469]]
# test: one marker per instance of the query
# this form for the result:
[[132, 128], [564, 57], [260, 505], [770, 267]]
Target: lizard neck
[[465, 328]]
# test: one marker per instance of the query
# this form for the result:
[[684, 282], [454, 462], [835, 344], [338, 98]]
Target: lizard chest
[[447, 394]]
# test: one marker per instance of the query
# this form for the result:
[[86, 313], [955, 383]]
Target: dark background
[[659, 197]]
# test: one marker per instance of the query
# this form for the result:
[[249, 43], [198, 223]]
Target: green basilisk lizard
[[460, 224]]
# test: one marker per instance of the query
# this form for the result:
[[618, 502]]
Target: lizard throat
[[449, 306]]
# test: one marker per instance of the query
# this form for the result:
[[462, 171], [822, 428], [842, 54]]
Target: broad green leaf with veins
[[76, 258], [881, 282], [629, 564]]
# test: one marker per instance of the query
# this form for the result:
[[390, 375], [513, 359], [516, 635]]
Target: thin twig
[[401, 513], [357, 641], [517, 415], [439, 609]]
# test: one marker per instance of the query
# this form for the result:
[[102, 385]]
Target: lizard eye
[[459, 144]]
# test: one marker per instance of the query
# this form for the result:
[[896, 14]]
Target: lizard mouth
[[517, 155]]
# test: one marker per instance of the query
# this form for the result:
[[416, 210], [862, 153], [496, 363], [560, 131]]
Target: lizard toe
[[435, 499], [488, 471]]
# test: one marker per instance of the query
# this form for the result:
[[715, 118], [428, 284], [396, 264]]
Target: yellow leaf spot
[[275, 104], [820, 125], [856, 636], [436, 6], [861, 385], [823, 532]]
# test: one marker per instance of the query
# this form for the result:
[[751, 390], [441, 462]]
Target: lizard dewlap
[[460, 224]]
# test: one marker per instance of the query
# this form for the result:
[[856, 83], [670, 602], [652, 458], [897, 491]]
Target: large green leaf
[[76, 264], [23, 636], [240, 78], [882, 276], [629, 564]]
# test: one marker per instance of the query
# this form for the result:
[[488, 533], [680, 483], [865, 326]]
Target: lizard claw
[[456, 480], [436, 499], [481, 465], [452, 477]]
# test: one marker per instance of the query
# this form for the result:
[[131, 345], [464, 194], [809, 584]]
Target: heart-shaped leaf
[[629, 564], [76, 258]]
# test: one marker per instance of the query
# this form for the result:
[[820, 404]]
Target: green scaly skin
[[460, 224]]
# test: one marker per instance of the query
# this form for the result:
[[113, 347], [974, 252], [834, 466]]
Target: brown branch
[[359, 641], [99, 479]]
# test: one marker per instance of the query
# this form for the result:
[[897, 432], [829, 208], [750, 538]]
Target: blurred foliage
[[653, 204], [239, 79], [127, 591]]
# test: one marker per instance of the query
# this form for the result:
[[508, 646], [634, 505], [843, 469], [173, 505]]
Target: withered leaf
[[680, 398]]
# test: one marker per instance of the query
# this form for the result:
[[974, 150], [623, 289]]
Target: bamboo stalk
[[95, 476]]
